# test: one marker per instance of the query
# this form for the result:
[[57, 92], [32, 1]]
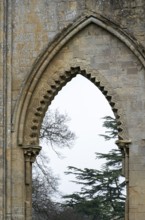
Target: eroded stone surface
[[43, 44]]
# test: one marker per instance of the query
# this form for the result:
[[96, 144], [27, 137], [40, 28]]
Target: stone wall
[[43, 44], [37, 23]]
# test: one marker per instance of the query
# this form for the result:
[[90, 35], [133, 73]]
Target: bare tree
[[43, 190], [55, 133], [55, 130]]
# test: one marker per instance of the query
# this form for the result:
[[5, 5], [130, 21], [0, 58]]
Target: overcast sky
[[86, 106]]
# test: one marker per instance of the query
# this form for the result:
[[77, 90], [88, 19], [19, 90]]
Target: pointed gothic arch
[[46, 92], [48, 76], [28, 117]]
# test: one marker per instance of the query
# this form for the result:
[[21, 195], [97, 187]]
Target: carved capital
[[30, 152], [123, 144], [124, 147]]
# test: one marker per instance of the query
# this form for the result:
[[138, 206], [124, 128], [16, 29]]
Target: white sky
[[85, 105]]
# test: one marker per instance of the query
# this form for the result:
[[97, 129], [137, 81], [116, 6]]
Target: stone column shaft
[[124, 147], [30, 153]]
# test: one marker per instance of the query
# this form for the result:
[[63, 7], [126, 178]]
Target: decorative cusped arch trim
[[25, 110], [39, 103]]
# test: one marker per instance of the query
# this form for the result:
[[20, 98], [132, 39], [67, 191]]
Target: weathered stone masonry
[[43, 45]]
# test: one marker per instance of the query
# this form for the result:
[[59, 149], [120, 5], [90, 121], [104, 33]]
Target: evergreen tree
[[102, 194]]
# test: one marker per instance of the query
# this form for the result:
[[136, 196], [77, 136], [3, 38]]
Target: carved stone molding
[[27, 133], [46, 92], [123, 144], [30, 152], [124, 147]]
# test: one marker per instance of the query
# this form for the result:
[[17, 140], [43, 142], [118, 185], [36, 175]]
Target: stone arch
[[39, 103], [46, 79], [33, 103]]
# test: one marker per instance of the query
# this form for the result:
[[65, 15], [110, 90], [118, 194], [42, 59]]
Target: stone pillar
[[30, 153], [124, 147]]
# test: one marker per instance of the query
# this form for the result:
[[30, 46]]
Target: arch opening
[[80, 86], [45, 81]]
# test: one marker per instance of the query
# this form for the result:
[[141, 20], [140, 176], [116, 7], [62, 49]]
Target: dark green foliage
[[111, 125], [102, 193]]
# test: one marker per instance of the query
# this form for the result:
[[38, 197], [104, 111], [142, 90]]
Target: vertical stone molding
[[48, 88], [124, 147], [43, 45], [30, 153]]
